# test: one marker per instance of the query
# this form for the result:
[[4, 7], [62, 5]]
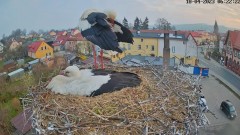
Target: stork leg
[[94, 57], [101, 54]]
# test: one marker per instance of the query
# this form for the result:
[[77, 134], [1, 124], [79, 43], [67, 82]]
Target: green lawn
[[27, 59]]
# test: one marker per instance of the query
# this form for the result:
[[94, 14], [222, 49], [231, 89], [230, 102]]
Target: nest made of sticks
[[157, 106]]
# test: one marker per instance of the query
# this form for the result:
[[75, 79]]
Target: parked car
[[228, 108]]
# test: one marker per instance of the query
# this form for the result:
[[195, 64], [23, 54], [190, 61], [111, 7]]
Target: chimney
[[166, 51], [175, 33]]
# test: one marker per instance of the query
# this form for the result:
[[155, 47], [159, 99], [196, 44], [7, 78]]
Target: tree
[[173, 28], [136, 24], [125, 22], [140, 24], [145, 24], [163, 24]]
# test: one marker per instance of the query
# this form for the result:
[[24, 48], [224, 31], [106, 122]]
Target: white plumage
[[77, 82]]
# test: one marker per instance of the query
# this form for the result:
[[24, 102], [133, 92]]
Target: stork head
[[111, 14], [87, 12], [71, 71]]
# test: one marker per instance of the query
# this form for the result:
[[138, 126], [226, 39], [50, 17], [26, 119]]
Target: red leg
[[101, 54], [94, 57]]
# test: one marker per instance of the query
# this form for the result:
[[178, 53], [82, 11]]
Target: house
[[191, 46], [52, 33], [62, 33], [40, 49], [75, 32], [85, 47], [14, 45], [232, 51], [59, 43], [72, 42], [1, 47]]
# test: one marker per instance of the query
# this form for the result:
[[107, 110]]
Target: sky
[[64, 14]]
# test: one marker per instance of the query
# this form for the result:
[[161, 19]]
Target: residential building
[[59, 43], [14, 45], [62, 33], [75, 32], [232, 51], [73, 41], [151, 43], [52, 33], [40, 49]]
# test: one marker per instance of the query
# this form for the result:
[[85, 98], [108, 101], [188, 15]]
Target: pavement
[[216, 88], [231, 79]]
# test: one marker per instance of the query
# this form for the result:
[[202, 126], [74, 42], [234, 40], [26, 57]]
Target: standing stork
[[104, 31]]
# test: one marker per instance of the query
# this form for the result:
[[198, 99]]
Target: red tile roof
[[23, 122], [34, 46], [60, 33], [195, 34], [234, 37]]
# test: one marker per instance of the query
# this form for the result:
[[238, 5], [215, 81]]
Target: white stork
[[103, 30], [89, 82]]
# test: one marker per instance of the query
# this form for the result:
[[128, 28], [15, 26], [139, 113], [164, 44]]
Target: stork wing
[[126, 36], [102, 37]]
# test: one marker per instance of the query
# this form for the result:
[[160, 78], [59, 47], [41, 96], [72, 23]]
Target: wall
[[44, 50], [146, 47], [177, 48]]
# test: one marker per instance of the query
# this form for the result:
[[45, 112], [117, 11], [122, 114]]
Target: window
[[146, 46], [41, 48], [49, 53], [141, 40], [152, 48], [139, 47], [45, 47], [173, 49], [239, 54], [235, 53]]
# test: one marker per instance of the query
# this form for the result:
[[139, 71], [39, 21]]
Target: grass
[[10, 92], [28, 59], [10, 106]]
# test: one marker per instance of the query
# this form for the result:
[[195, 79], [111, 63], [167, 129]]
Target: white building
[[191, 47]]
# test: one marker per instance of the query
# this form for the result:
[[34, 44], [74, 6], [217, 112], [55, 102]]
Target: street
[[229, 77], [216, 88]]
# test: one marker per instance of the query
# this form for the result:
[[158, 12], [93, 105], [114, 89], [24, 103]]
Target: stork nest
[[160, 105]]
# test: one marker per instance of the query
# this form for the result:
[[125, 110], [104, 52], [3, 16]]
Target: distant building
[[232, 51], [75, 32], [52, 33], [62, 33], [14, 45], [216, 29], [40, 49]]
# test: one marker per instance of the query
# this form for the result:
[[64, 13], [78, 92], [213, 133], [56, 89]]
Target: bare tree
[[163, 24]]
